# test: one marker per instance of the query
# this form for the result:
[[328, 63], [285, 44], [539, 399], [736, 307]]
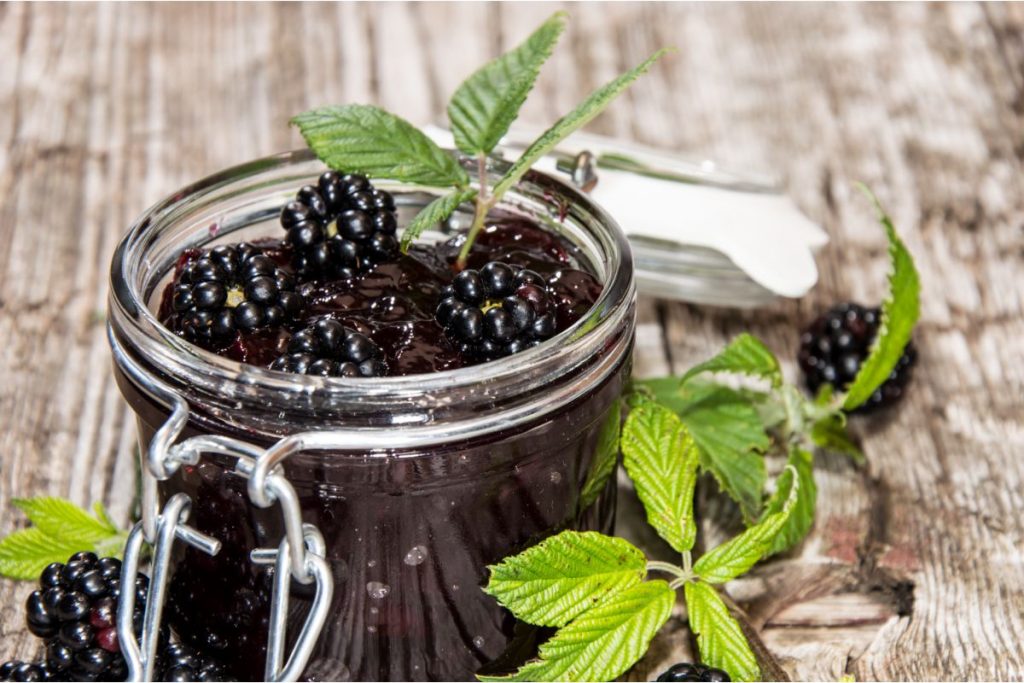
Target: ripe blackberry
[[74, 612], [330, 349], [684, 671], [496, 311], [230, 288], [179, 662], [341, 226], [835, 345]]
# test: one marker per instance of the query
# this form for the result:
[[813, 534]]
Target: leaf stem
[[484, 204], [668, 568], [676, 584]]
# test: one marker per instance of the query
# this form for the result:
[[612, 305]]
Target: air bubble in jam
[[377, 590], [416, 555]]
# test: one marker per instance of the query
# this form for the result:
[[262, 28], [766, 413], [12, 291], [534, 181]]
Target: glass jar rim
[[140, 331]]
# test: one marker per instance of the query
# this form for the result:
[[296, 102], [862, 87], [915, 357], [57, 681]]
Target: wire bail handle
[[300, 555]]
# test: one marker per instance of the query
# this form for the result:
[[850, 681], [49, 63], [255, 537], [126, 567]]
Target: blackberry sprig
[[330, 349], [496, 311], [233, 288], [835, 345], [340, 227]]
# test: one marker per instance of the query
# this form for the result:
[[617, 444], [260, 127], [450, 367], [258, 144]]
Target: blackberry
[[835, 345], [684, 671], [74, 612], [330, 349], [179, 662], [231, 288], [496, 311], [341, 226]]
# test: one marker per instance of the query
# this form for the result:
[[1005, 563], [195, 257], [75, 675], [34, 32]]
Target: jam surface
[[394, 303]]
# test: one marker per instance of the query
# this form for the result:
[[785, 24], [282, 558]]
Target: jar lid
[[698, 232]]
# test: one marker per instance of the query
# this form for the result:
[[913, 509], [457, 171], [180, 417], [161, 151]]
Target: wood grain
[[914, 569]]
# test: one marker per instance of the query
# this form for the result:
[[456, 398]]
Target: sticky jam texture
[[394, 303]]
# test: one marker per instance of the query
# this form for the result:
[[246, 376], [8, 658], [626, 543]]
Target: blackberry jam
[[452, 465]]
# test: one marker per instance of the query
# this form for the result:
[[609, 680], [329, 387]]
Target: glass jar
[[447, 472]]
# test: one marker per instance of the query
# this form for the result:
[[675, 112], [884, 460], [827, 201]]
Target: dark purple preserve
[[523, 452]]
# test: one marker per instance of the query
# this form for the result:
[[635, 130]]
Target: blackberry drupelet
[[340, 227], [25, 671], [330, 349], [179, 662], [835, 345], [231, 288], [496, 311], [684, 671]]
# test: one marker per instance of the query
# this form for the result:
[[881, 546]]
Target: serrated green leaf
[[104, 517], [64, 520], [736, 556], [551, 583], [830, 434], [801, 519], [433, 213], [607, 455], [578, 117], [729, 432], [661, 458], [744, 355], [486, 104], [720, 639], [358, 138], [604, 641], [24, 554], [900, 312]]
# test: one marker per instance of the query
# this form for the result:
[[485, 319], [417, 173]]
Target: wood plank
[[106, 108]]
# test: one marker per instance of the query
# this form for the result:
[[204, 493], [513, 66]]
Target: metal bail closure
[[316, 566], [170, 525]]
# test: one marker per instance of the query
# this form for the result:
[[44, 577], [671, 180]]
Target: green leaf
[[607, 455], [553, 582], [745, 355], [604, 641], [433, 213], [24, 554], [661, 458], [720, 639], [358, 138], [801, 519], [729, 433], [900, 312], [104, 517], [487, 103], [736, 556], [580, 116], [64, 520], [830, 434]]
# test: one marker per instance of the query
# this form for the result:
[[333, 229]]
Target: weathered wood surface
[[914, 570]]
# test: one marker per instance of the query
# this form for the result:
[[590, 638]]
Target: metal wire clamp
[[300, 555]]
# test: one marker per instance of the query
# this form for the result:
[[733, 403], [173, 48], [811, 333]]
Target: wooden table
[[914, 570]]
